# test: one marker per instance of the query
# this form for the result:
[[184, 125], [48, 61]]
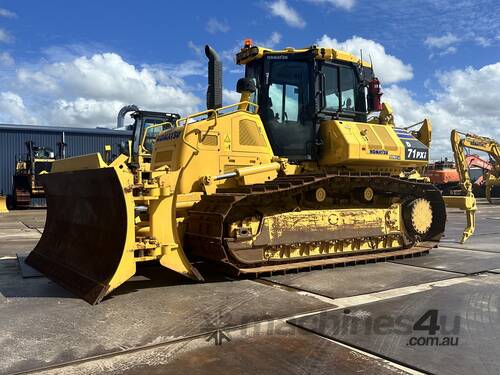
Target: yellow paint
[[387, 220], [467, 202], [364, 146], [333, 247], [247, 55], [3, 204], [421, 216], [77, 163]]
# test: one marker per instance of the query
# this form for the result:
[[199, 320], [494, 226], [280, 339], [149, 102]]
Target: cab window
[[285, 99], [331, 88], [340, 88], [152, 132], [285, 112], [347, 86]]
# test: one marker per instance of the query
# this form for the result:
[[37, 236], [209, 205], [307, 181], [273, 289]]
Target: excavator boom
[[467, 202]]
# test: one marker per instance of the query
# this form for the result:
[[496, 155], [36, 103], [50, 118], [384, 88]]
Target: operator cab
[[43, 153], [146, 127], [297, 89]]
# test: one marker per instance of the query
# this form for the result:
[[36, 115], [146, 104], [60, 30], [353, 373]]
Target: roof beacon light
[[248, 43]]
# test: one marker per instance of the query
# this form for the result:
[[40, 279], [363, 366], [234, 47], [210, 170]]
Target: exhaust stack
[[123, 112], [214, 90]]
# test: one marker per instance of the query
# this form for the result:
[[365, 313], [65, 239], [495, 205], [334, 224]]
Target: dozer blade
[[89, 227]]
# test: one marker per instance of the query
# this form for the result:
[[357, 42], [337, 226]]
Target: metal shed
[[79, 141]]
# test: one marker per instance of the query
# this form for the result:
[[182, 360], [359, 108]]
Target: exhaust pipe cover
[[214, 90], [123, 112]]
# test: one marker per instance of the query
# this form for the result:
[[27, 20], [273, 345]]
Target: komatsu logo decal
[[277, 57], [169, 136], [378, 152]]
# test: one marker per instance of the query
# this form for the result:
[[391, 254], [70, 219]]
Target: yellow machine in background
[[467, 202], [307, 170], [26, 180], [461, 141], [3, 204]]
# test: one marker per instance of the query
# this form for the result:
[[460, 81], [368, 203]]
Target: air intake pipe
[[123, 112], [214, 90]]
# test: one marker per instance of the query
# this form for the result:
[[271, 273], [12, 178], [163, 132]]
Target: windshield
[[43, 153], [285, 108], [152, 132]]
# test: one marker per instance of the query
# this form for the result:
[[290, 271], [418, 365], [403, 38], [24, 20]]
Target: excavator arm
[[492, 148], [467, 202]]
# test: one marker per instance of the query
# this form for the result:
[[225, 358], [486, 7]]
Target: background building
[[79, 141]]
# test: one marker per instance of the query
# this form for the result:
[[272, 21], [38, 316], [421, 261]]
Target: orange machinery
[[445, 176]]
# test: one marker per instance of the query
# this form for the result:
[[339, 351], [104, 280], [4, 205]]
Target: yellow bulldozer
[[3, 204], [307, 170], [26, 179]]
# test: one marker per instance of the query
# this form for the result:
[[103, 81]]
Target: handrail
[[183, 121], [141, 148], [212, 111], [212, 114]]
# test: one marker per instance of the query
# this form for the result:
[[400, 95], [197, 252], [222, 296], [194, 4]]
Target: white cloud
[[280, 8], [88, 91], [466, 100], [270, 42], [441, 41], [6, 59], [7, 13], [343, 4], [387, 67], [482, 41], [230, 96], [448, 51], [215, 26], [195, 48], [5, 37], [13, 110], [443, 45]]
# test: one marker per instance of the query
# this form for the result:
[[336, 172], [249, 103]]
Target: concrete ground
[[352, 320]]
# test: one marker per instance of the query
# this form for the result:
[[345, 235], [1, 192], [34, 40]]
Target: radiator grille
[[209, 140], [249, 134], [163, 156]]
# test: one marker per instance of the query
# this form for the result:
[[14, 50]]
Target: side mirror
[[245, 85], [123, 148]]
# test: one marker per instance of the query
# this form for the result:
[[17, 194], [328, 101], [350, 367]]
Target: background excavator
[[468, 141], [307, 170], [145, 127], [445, 176]]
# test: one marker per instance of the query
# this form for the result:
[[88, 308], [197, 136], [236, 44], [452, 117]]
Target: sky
[[77, 63]]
